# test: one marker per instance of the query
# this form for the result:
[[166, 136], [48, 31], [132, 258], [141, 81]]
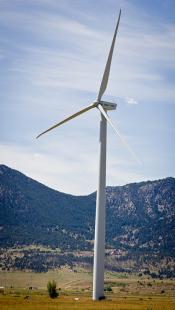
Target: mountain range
[[140, 217]]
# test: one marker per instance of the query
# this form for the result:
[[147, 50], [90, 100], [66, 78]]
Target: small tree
[[52, 289]]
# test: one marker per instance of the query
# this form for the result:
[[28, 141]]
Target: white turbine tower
[[103, 106]]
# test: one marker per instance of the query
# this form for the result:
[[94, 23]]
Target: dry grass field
[[64, 277], [128, 292], [37, 302]]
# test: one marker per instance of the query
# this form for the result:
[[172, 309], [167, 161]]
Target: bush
[[108, 289], [52, 289]]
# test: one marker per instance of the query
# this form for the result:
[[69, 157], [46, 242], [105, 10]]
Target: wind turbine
[[103, 107]]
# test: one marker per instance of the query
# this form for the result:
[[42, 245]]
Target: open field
[[129, 292], [24, 279]]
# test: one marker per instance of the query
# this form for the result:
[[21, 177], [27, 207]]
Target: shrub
[[51, 287], [108, 289]]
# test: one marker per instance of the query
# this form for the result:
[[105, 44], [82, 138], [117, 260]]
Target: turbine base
[[101, 298]]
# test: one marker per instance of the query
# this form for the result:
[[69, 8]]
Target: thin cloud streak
[[53, 68]]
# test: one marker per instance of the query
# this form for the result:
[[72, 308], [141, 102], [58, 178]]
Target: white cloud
[[131, 101]]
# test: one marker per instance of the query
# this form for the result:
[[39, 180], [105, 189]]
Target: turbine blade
[[118, 133], [67, 119], [105, 78]]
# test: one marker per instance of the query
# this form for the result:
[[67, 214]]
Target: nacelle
[[108, 105], [105, 104]]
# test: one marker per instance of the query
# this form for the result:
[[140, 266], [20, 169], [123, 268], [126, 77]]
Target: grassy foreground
[[85, 303]]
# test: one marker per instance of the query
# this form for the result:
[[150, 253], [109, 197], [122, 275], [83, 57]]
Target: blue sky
[[52, 57]]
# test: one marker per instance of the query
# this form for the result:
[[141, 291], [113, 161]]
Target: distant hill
[[33, 213], [140, 216]]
